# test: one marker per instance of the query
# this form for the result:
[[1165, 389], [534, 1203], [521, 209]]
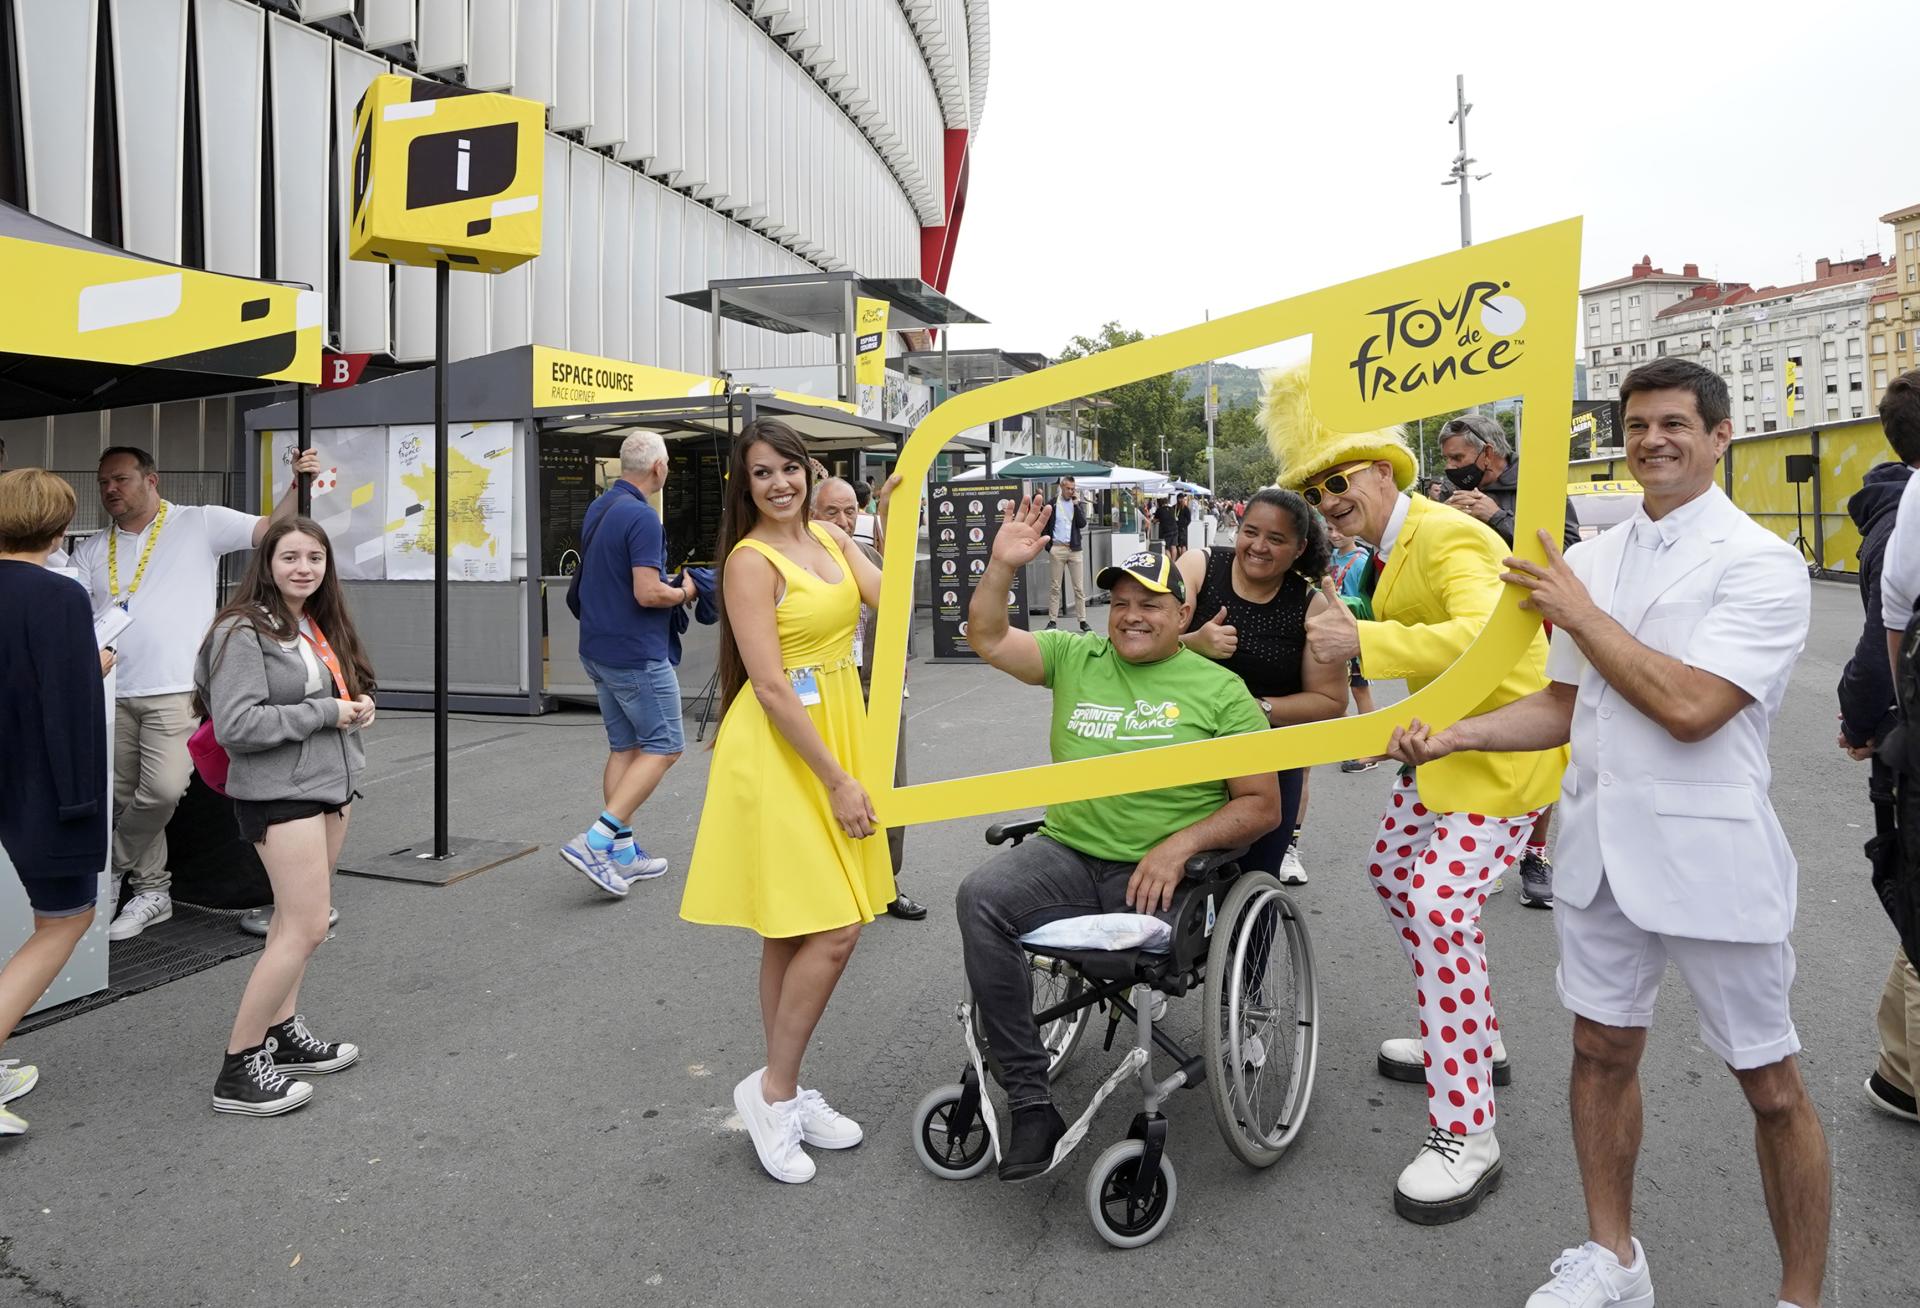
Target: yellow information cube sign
[[1478, 325], [446, 175]]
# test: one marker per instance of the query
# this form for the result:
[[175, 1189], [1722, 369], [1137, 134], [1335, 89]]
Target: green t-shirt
[[1104, 705]]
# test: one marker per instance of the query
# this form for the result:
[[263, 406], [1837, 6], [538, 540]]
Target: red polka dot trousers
[[1431, 871]]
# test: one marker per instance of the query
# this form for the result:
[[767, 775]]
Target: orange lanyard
[[311, 633]]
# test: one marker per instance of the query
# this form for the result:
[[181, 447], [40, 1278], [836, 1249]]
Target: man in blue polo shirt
[[626, 609]]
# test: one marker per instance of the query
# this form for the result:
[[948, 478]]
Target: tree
[[1241, 469], [1142, 411]]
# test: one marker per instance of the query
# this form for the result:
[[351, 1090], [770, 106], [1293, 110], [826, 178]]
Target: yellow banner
[[66, 303], [1793, 386], [561, 378], [1470, 327], [870, 343]]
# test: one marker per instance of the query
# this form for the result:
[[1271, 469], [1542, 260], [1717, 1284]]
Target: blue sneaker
[[643, 868], [597, 864]]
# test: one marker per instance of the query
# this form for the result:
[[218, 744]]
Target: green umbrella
[[1040, 465]]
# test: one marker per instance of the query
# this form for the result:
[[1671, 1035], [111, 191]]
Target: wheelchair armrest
[[1211, 862], [1002, 832]]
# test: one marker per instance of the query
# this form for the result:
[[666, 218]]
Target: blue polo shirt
[[622, 532]]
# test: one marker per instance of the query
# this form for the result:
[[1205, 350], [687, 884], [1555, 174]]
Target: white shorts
[[1610, 973]]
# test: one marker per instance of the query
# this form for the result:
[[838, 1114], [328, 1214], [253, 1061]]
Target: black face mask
[[1467, 476]]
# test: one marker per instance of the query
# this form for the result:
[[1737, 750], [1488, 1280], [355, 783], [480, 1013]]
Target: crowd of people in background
[[1642, 708]]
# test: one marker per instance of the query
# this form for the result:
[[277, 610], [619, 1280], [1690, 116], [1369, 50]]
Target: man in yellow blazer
[[1452, 826]]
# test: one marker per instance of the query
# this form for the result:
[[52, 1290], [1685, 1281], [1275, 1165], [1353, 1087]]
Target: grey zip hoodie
[[283, 743]]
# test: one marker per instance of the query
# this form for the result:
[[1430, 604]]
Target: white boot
[[1403, 1059], [1448, 1178]]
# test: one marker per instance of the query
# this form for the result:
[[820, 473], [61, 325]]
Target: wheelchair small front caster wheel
[[1122, 1220], [952, 1151]]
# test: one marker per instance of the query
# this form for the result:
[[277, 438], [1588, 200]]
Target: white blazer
[[1685, 834]]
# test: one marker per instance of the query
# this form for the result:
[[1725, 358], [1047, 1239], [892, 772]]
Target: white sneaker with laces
[[1291, 872], [775, 1129], [1448, 1178], [1592, 1277], [145, 909], [824, 1128], [16, 1080]]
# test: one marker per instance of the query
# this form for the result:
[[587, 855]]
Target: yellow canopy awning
[[86, 326]]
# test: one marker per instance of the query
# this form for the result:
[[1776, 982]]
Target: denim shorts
[[640, 705], [61, 896]]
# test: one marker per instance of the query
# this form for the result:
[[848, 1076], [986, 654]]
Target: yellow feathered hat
[[1303, 445]]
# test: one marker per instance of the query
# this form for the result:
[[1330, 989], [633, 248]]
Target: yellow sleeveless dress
[[769, 856]]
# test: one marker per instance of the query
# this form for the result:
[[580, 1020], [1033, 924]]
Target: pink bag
[[210, 758]]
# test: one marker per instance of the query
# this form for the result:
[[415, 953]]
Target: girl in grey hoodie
[[285, 681]]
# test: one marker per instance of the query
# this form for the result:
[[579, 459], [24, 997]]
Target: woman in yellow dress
[[786, 845]]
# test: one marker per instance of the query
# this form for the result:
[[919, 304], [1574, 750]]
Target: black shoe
[[1052, 625], [1890, 1099], [1536, 881], [299, 1052], [249, 1083], [1036, 1131], [1086, 629], [905, 909]]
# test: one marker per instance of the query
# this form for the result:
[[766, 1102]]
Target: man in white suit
[[1674, 635]]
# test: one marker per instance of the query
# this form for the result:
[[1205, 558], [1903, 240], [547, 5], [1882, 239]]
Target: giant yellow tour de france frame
[[1478, 325]]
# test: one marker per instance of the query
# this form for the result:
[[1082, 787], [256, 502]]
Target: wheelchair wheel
[[1053, 982], [1124, 1222], [949, 1154], [1050, 982], [1262, 1030]]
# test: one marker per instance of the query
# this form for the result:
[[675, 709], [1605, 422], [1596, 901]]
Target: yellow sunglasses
[[1334, 483]]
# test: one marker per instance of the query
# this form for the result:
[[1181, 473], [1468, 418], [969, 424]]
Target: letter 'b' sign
[[1470, 327]]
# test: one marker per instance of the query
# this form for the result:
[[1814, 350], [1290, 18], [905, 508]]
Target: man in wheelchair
[[1136, 688]]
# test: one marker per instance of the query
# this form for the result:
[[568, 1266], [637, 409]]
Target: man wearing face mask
[[1484, 475]]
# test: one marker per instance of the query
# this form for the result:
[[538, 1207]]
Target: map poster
[[962, 520], [480, 514], [349, 494]]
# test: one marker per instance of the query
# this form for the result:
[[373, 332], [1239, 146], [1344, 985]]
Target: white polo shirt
[[1900, 572], [175, 601]]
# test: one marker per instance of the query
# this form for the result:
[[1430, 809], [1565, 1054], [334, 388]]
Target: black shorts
[[256, 815], [1354, 679]]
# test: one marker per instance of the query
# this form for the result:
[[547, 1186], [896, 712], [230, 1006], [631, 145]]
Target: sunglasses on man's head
[[1334, 483]]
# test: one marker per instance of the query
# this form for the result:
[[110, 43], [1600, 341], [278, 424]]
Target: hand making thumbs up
[[1333, 636], [1217, 639]]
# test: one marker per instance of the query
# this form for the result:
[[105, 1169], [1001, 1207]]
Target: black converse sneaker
[[299, 1052], [249, 1083]]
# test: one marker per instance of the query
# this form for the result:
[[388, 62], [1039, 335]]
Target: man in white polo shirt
[[161, 563]]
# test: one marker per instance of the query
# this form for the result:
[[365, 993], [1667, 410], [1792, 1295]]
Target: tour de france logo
[[1425, 342]]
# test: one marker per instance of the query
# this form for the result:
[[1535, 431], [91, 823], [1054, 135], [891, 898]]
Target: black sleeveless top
[[1273, 636]]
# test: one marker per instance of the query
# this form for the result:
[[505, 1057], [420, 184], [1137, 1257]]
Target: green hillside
[[1239, 387]]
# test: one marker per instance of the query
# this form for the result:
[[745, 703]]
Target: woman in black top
[[53, 769], [1251, 614]]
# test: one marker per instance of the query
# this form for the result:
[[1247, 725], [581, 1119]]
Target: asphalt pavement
[[543, 1112]]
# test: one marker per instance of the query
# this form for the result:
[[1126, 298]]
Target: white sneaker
[[1291, 873], [1448, 1178], [12, 1123], [775, 1129], [822, 1127], [1592, 1277], [1404, 1058], [1157, 1007], [1495, 886], [16, 1080], [142, 911]]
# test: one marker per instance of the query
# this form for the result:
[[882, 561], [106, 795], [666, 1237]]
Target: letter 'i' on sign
[[1473, 326], [446, 175]]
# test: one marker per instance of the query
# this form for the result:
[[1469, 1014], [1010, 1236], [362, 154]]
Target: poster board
[[962, 520]]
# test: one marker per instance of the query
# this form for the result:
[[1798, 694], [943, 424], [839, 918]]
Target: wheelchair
[[1240, 941]]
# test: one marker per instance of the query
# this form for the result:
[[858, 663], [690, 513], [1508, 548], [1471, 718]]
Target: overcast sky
[[1148, 161]]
